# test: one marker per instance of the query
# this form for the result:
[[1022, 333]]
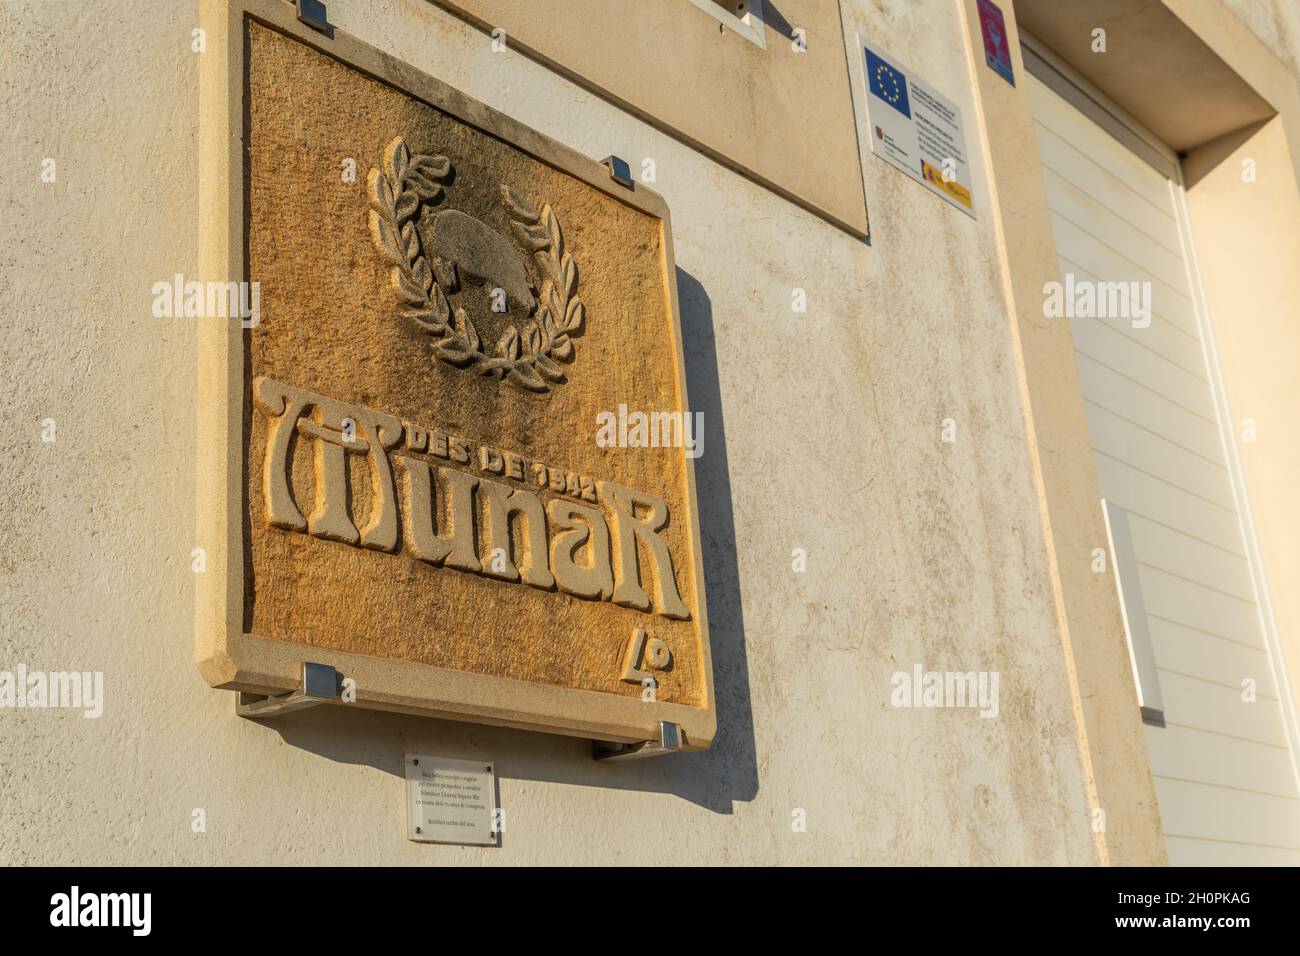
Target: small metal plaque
[[450, 801]]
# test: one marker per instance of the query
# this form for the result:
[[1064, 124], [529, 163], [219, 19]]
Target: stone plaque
[[400, 472]]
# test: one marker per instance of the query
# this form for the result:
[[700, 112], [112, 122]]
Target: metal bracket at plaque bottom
[[321, 684], [670, 741]]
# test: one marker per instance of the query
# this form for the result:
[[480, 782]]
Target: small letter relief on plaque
[[642, 648], [450, 801]]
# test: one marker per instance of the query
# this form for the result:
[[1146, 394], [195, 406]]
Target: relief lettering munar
[[450, 517], [429, 266]]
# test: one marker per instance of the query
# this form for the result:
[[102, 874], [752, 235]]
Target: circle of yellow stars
[[882, 70]]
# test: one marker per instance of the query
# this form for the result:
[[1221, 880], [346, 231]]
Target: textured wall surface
[[822, 432], [1276, 22]]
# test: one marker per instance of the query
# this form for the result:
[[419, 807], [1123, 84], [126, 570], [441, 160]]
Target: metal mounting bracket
[[314, 14], [321, 684], [619, 171], [670, 741]]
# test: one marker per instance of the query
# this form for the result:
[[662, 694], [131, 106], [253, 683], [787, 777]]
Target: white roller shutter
[[1223, 768]]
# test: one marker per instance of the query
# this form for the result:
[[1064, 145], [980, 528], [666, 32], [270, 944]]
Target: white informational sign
[[450, 801], [917, 130]]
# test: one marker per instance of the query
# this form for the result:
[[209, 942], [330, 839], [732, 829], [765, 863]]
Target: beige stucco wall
[[1246, 239], [1275, 22], [1249, 248], [822, 432]]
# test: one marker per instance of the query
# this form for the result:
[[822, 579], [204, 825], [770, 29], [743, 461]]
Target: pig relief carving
[[463, 249], [464, 246]]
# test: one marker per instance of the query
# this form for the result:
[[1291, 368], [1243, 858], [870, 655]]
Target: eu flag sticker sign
[[888, 83], [917, 130]]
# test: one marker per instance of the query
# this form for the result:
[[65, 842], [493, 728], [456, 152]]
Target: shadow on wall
[[714, 779], [775, 21]]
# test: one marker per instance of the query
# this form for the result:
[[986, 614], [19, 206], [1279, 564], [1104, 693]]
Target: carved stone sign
[[399, 468]]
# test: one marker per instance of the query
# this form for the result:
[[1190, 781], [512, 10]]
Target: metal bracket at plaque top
[[321, 684], [670, 741], [314, 14]]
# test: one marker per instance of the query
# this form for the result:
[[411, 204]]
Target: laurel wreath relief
[[527, 358]]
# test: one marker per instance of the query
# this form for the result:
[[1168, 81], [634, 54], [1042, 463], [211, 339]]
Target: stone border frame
[[231, 659]]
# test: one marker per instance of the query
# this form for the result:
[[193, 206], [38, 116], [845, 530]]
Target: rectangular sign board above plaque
[[399, 474]]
